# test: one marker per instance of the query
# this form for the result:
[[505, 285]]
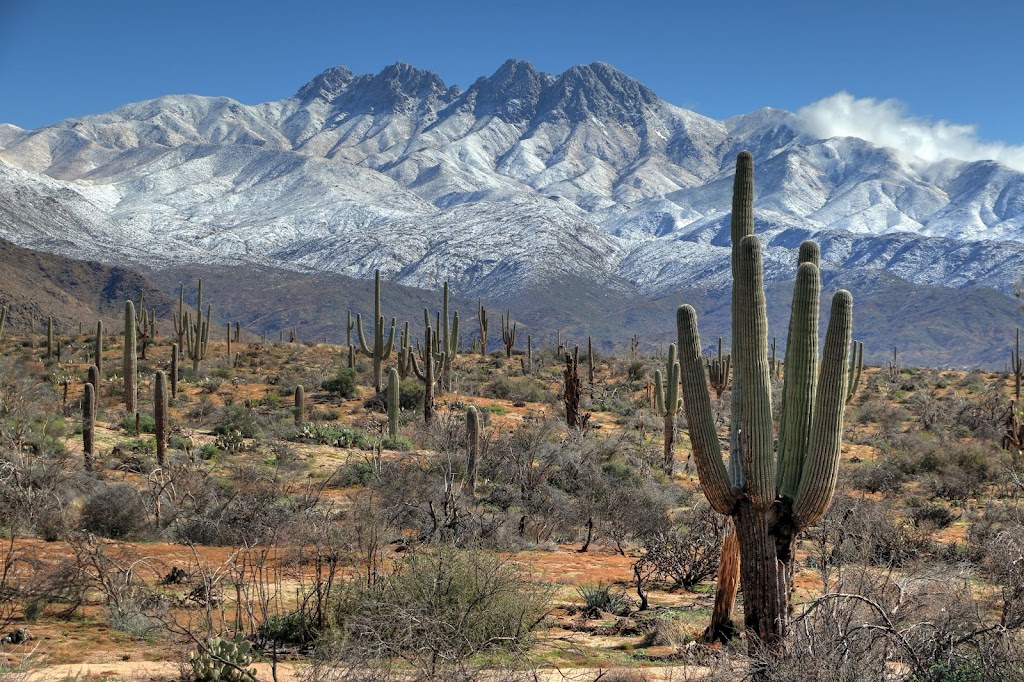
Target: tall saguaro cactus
[[160, 415], [508, 333], [394, 392], [667, 403], [197, 331], [432, 362], [381, 349], [481, 317], [472, 447], [88, 426], [130, 359], [771, 496]]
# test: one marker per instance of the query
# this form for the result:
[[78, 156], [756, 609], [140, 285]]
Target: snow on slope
[[523, 177]]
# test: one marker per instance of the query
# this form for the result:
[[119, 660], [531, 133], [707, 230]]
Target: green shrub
[[343, 383]]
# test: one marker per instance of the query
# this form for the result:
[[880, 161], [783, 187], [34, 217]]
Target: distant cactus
[[1016, 367], [667, 403], [300, 405], [405, 353], [197, 330], [98, 351], [572, 391], [446, 337], [88, 425], [394, 391], [130, 362], [160, 416], [174, 370], [590, 361], [381, 349], [227, 339], [3, 321], [718, 371], [481, 316], [432, 362], [472, 447], [508, 333], [856, 367], [49, 338]]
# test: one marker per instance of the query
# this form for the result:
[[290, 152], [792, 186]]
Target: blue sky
[[950, 62]]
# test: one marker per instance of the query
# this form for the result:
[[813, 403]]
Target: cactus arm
[[365, 349], [800, 383], [386, 350], [741, 225], [821, 466], [707, 452], [757, 447], [659, 400]]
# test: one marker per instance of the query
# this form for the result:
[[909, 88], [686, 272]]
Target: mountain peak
[[599, 90], [327, 85]]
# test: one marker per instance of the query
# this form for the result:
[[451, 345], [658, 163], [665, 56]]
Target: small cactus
[[300, 405], [223, 660]]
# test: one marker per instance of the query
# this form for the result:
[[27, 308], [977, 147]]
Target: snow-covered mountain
[[521, 179]]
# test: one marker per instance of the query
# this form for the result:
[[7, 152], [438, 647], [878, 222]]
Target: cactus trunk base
[[766, 549]]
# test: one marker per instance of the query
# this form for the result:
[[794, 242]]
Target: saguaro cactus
[[300, 405], [856, 367], [130, 359], [446, 339], [49, 338], [3, 321], [160, 415], [667, 403], [508, 333], [771, 498], [88, 426], [481, 316], [174, 370], [472, 447], [404, 353], [197, 330], [394, 391], [573, 390], [381, 349], [432, 362], [92, 376], [98, 350], [718, 371]]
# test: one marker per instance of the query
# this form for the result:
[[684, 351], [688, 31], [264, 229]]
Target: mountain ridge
[[524, 178]]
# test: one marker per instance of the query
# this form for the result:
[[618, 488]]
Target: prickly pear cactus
[[223, 660]]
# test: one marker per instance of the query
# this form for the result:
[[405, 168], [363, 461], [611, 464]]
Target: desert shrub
[[147, 423], [114, 511], [435, 610], [525, 389], [232, 418], [343, 383], [603, 597], [338, 435], [688, 555]]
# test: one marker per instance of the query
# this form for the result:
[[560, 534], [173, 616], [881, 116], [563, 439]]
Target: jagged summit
[[523, 178]]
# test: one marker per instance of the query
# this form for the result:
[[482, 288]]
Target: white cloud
[[886, 123]]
